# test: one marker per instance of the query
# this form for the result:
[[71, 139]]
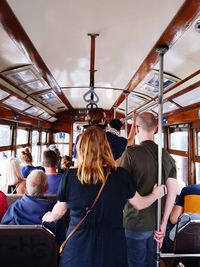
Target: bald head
[[147, 121], [36, 183]]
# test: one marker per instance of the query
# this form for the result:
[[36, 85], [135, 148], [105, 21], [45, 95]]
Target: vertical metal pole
[[126, 112], [161, 51], [115, 112]]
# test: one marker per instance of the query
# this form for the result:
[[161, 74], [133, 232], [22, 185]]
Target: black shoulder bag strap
[[87, 212]]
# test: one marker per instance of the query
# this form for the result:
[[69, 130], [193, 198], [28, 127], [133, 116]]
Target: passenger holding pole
[[142, 163]]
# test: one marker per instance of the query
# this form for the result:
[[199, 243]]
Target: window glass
[[181, 168], [44, 135], [64, 149], [179, 138], [22, 136], [35, 137], [4, 155], [35, 154], [5, 133], [197, 166], [198, 143], [61, 137], [43, 149], [156, 139]]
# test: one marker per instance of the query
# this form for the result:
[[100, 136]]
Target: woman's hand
[[159, 191]]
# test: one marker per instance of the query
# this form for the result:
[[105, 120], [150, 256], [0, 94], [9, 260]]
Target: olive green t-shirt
[[141, 161]]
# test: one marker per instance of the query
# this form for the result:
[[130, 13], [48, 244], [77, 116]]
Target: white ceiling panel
[[188, 98], [106, 97]]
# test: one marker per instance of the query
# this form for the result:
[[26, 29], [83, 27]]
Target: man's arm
[[131, 135], [141, 202], [176, 212], [171, 184]]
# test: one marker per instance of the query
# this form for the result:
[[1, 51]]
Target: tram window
[[35, 154], [35, 137], [5, 134], [198, 143], [197, 167], [182, 168], [61, 137], [4, 155], [179, 137], [44, 137], [64, 149], [156, 139], [22, 136], [43, 149]]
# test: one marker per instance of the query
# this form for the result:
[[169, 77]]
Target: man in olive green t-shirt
[[142, 163]]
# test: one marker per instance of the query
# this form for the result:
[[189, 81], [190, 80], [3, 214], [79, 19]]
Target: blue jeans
[[141, 249]]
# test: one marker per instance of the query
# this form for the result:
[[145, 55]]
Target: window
[[179, 137], [197, 167], [35, 137], [64, 149], [4, 155], [5, 135], [61, 137], [156, 139], [22, 136], [182, 168], [198, 143], [44, 137]]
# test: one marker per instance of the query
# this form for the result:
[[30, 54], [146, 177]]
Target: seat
[[27, 246], [187, 239]]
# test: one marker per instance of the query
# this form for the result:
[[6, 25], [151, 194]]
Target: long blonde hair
[[12, 173], [94, 154]]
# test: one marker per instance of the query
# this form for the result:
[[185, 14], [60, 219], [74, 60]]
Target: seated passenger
[[50, 161], [66, 163], [188, 202], [54, 148], [27, 165], [3, 204], [12, 180], [30, 209]]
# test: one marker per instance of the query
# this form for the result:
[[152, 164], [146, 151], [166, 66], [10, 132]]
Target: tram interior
[[52, 53]]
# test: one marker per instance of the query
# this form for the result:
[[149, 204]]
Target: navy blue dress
[[100, 241]]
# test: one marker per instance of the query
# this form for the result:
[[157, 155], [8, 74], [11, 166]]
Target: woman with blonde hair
[[27, 162], [100, 239], [12, 180]]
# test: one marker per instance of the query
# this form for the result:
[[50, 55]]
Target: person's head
[[146, 126], [36, 183], [116, 124], [96, 116], [66, 162], [12, 172], [94, 153], [25, 156], [50, 159], [54, 148]]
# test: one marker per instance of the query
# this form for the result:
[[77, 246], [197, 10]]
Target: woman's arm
[[141, 202], [57, 212]]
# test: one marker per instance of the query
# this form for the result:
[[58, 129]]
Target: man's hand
[[160, 235]]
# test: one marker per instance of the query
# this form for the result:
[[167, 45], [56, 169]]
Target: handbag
[[87, 213]]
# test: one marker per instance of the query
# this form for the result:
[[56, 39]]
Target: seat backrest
[[187, 239], [27, 245], [11, 198]]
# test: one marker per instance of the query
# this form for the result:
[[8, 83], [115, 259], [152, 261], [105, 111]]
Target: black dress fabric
[[100, 241]]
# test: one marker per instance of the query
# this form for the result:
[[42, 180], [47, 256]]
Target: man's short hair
[[116, 124], [50, 158], [147, 121], [36, 183]]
